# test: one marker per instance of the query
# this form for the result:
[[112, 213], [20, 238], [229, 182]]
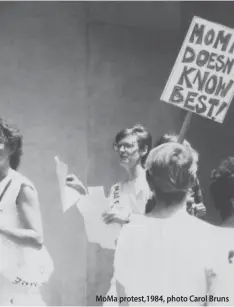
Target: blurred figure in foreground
[[194, 205], [168, 252]]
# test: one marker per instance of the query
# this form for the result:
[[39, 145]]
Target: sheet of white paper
[[92, 207], [68, 196]]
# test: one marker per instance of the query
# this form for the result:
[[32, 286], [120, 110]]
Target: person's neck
[[135, 172], [4, 172], [163, 211]]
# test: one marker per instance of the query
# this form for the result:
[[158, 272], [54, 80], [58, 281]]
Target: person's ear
[[144, 151], [214, 174]]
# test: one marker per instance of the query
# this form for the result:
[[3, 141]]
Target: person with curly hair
[[195, 205], [22, 253], [222, 190]]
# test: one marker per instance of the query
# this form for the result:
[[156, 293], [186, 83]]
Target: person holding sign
[[222, 190], [194, 204], [155, 263], [24, 262]]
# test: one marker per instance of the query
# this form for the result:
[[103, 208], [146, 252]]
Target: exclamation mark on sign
[[222, 107]]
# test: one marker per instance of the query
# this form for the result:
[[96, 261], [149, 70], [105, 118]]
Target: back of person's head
[[171, 171], [167, 138], [222, 187], [13, 139], [144, 138]]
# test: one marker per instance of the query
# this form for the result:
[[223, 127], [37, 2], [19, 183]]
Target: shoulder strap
[[11, 190], [5, 189]]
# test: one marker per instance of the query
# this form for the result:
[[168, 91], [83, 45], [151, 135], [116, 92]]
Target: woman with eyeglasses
[[24, 263], [132, 146], [128, 197]]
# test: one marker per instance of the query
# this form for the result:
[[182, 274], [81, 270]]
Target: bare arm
[[29, 213], [73, 182]]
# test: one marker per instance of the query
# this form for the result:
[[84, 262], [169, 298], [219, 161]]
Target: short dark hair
[[11, 136], [144, 138], [222, 187], [171, 171], [166, 138]]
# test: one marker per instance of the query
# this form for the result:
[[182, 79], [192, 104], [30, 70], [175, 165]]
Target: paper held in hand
[[69, 196], [91, 206], [202, 79]]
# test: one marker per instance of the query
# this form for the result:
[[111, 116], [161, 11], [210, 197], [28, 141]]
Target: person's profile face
[[128, 151]]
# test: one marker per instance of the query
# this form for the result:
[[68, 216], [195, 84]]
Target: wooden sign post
[[185, 127]]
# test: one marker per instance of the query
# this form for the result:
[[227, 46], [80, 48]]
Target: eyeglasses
[[125, 146]]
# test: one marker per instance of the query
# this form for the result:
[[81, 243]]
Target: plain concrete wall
[[72, 75], [42, 68]]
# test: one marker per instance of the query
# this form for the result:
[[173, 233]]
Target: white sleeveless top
[[23, 265], [8, 205]]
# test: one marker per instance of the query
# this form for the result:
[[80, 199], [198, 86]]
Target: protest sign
[[202, 79]]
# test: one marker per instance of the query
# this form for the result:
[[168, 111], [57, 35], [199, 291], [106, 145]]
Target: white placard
[[202, 79]]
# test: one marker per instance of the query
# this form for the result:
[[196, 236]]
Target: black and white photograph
[[116, 153]]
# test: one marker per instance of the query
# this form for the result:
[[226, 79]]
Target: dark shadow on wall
[[212, 140]]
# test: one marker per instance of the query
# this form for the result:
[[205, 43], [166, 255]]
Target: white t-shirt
[[130, 196], [173, 256]]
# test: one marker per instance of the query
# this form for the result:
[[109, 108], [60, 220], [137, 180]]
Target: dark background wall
[[213, 141], [72, 74]]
